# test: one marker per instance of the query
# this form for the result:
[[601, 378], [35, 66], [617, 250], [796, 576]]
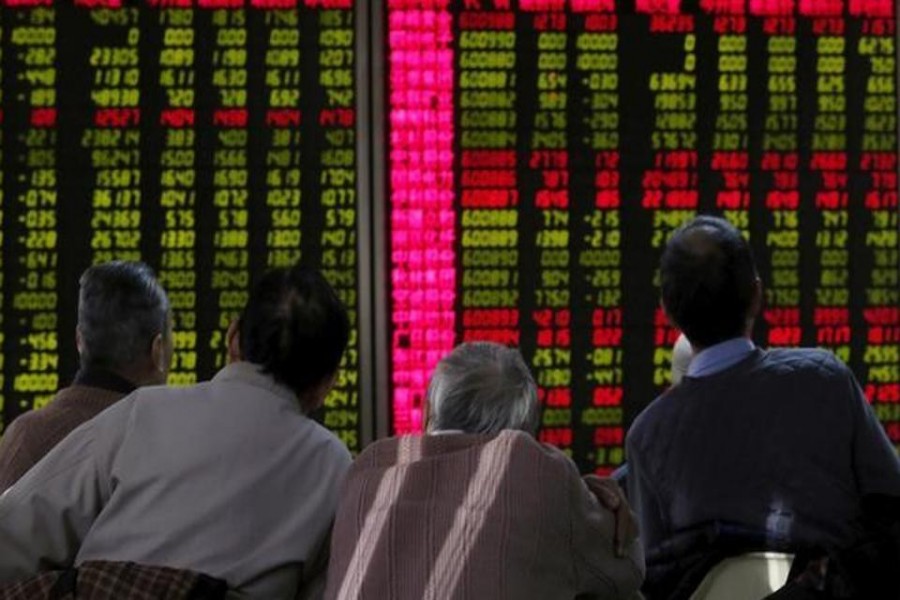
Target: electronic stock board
[[541, 151], [211, 139]]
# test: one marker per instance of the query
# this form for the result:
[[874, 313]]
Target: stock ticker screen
[[541, 151], [208, 138]]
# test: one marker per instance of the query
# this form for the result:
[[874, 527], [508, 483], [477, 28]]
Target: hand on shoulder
[[611, 497]]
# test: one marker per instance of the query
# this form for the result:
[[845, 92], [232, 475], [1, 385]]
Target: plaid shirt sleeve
[[104, 580]]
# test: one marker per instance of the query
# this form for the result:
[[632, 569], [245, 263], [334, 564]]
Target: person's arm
[[612, 498], [314, 578], [598, 569], [875, 461], [45, 516], [644, 499]]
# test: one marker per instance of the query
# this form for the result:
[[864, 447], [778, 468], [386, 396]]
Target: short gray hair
[[121, 308], [482, 387]]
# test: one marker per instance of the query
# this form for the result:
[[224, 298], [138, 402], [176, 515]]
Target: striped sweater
[[470, 517]]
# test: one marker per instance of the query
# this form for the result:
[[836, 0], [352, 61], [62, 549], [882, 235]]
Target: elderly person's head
[[482, 387], [124, 322], [710, 286]]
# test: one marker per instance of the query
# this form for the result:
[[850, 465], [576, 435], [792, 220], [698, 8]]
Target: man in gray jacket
[[229, 477]]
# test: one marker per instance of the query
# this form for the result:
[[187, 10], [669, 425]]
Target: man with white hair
[[477, 508]]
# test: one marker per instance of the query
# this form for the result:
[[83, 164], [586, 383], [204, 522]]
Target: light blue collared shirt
[[720, 356]]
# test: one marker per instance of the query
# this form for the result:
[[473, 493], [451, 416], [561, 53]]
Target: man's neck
[[698, 348], [108, 379]]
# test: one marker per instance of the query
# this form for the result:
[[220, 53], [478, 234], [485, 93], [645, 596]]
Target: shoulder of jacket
[[651, 417], [817, 359]]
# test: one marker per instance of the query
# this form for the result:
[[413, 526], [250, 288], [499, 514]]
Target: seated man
[[477, 508], [229, 477], [780, 445], [124, 340]]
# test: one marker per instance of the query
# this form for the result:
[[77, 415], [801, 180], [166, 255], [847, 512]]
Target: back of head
[[121, 309], [708, 280], [482, 387], [295, 327]]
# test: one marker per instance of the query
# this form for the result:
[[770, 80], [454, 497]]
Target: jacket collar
[[104, 379], [720, 356]]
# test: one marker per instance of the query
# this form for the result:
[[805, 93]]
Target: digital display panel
[[542, 151], [209, 138]]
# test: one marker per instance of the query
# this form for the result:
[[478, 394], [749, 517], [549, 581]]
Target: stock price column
[[178, 178], [423, 273], [113, 141], [548, 163], [337, 178], [670, 187], [730, 158], [31, 99], [828, 162], [488, 182], [283, 150], [600, 412], [778, 168], [230, 274], [878, 168]]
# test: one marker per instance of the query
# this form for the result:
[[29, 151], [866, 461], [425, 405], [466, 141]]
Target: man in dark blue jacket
[[779, 446]]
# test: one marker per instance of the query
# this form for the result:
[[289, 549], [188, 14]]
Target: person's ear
[[757, 304], [79, 341], [314, 398], [233, 341], [426, 414], [159, 355], [327, 384]]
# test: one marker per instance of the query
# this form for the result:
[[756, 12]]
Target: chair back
[[746, 577]]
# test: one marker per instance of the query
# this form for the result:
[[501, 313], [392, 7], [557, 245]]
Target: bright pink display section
[[423, 274]]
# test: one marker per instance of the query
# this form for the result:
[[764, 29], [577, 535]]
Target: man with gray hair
[[482, 388], [229, 477], [124, 340], [477, 508]]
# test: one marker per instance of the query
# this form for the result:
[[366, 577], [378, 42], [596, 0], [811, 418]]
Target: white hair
[[482, 387]]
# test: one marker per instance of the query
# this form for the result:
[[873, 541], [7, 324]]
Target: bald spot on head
[[708, 281]]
